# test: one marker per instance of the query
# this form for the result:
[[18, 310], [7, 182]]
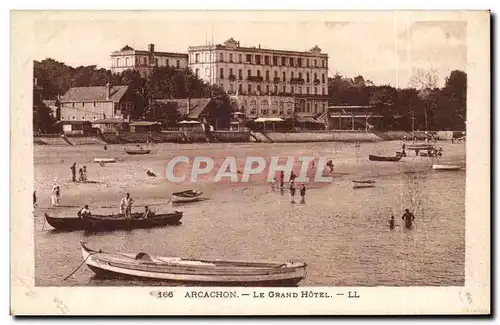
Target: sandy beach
[[341, 233]]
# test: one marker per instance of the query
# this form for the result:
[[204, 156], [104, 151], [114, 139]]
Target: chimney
[[108, 91], [151, 48], [188, 106]]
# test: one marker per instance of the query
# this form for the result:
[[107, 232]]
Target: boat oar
[[79, 266]]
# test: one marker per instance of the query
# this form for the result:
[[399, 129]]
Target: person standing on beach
[[53, 196], [84, 173], [392, 223], [292, 192], [34, 199], [282, 179], [126, 205], [73, 172], [302, 194], [58, 194], [80, 172], [408, 217], [292, 176]]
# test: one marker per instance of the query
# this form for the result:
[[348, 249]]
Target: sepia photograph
[[242, 149]]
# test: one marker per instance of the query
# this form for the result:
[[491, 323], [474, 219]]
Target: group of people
[[54, 198], [82, 172], [125, 209], [408, 217], [292, 187]]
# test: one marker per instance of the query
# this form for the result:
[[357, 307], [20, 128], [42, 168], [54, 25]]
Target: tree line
[[423, 106]]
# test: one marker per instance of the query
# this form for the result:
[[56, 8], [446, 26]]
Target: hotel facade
[[265, 82], [144, 61]]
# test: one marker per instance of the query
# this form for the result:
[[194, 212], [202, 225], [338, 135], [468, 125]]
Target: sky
[[384, 47]]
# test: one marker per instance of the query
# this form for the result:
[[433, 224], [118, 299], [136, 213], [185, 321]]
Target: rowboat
[[193, 271], [362, 184], [381, 158], [446, 167], [420, 146], [104, 160], [186, 196], [98, 223], [137, 151]]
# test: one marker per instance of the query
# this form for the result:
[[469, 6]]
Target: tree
[[424, 79], [164, 113]]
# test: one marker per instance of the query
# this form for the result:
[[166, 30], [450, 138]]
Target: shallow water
[[341, 233]]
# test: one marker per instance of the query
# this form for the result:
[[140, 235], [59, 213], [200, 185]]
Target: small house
[[145, 126], [76, 127]]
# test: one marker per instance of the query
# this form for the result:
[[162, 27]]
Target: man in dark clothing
[[302, 194], [408, 217], [292, 192], [73, 171], [34, 198], [392, 223]]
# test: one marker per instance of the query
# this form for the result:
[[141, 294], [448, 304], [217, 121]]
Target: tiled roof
[[91, 94], [143, 123], [197, 105]]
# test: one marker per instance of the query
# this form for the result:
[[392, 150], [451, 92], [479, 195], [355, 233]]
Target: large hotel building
[[144, 61], [265, 82]]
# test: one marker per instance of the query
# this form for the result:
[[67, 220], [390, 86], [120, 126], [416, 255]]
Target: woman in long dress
[[53, 197]]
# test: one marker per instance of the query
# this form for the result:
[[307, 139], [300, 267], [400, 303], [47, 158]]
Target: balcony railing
[[255, 78], [316, 81], [232, 77], [298, 81], [276, 80]]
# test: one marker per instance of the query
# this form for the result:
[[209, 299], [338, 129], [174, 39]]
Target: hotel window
[[126, 62], [307, 63], [240, 74], [230, 57], [230, 72], [207, 72], [299, 62], [307, 77], [324, 90], [275, 74], [315, 107], [315, 90], [267, 89], [144, 61], [249, 89], [315, 76], [231, 87], [266, 59], [166, 62], [249, 73], [197, 58], [240, 88], [222, 73], [300, 75], [267, 75], [292, 61], [221, 57], [275, 60], [284, 76], [257, 59], [197, 71], [156, 62], [293, 89], [308, 107], [322, 63], [275, 89], [323, 78], [95, 117], [258, 88], [324, 107], [258, 73], [240, 57], [300, 90], [94, 104], [315, 63], [291, 75], [74, 118], [207, 57], [283, 60], [249, 58], [178, 64], [117, 62]]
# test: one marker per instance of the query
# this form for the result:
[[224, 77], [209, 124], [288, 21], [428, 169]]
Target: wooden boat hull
[[362, 184], [380, 158], [204, 272], [420, 147], [186, 196], [103, 223], [446, 167], [137, 151], [104, 160]]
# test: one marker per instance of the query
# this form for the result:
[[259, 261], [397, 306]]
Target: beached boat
[[193, 271], [362, 184], [446, 167], [381, 158], [137, 151], [97, 223], [104, 160], [420, 146], [186, 196]]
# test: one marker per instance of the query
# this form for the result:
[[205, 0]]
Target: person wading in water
[[408, 217]]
